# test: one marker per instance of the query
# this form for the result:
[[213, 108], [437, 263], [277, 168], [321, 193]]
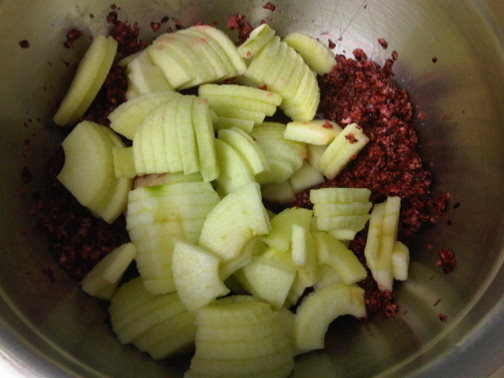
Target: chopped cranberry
[[72, 36], [24, 44], [446, 260], [383, 43], [269, 6]]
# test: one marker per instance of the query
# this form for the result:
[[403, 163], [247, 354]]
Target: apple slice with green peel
[[234, 170], [261, 62], [334, 253], [247, 147], [129, 115], [170, 338], [124, 164], [147, 144], [400, 261], [205, 140], [305, 177], [242, 114], [281, 227], [91, 73], [342, 150], [328, 276], [318, 57], [226, 44], [240, 103], [230, 123], [281, 192], [196, 275], [320, 308], [145, 77], [88, 171], [318, 132], [235, 220], [313, 154], [269, 276], [257, 39], [105, 275], [339, 195], [240, 91]]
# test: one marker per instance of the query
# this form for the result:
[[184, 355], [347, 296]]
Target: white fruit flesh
[[175, 71], [320, 308], [334, 253], [318, 132], [313, 154], [126, 117], [262, 61], [343, 149], [328, 276], [249, 115], [205, 138], [107, 273], [226, 234], [240, 103], [339, 195], [247, 93], [90, 75], [88, 171], [305, 177], [334, 209], [400, 261], [299, 245], [234, 170], [196, 275], [281, 192], [257, 39], [230, 123], [281, 227], [186, 137], [315, 54], [247, 147]]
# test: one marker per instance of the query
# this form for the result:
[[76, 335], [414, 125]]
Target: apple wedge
[[234, 170], [281, 227], [124, 164], [305, 177], [278, 192], [196, 275], [400, 261], [318, 132], [257, 39], [91, 73], [320, 308], [318, 57]]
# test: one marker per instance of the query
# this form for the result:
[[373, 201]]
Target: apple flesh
[[257, 39], [318, 57]]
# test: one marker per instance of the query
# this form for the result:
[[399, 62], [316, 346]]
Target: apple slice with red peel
[[196, 275], [318, 57], [320, 308], [91, 73]]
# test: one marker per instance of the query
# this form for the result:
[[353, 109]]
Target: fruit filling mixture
[[231, 201]]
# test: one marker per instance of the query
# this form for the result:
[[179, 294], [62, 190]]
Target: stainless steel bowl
[[53, 329]]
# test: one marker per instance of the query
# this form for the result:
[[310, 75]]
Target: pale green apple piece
[[372, 248], [343, 234], [257, 39], [334, 209], [309, 273], [240, 103], [170, 137], [228, 123], [224, 111], [253, 247], [109, 271], [219, 55], [174, 70], [278, 192], [138, 150], [295, 79], [299, 244], [318, 132], [240, 91], [179, 187], [303, 105], [126, 117], [151, 139], [339, 195], [169, 338], [205, 140], [226, 44], [305, 177], [115, 202], [236, 219], [275, 66], [196, 275], [128, 59], [234, 170], [320, 308], [281, 227], [261, 62], [328, 276], [297, 290], [186, 137], [318, 57], [88, 171], [247, 147], [285, 74], [91, 73], [334, 253], [335, 222], [314, 153], [400, 261], [230, 313], [269, 277], [343, 149], [231, 334], [278, 170], [124, 165]]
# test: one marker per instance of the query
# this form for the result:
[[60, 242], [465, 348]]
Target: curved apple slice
[[320, 308], [248, 93], [318, 57], [196, 275], [261, 63], [281, 227], [257, 39], [339, 195], [319, 132], [234, 170], [91, 73], [279, 192], [305, 177]]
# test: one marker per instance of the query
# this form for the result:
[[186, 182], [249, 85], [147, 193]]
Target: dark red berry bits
[[446, 260], [24, 44], [72, 36]]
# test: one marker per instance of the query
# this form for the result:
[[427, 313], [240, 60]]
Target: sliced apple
[[315, 54], [240, 103], [196, 275], [305, 177], [124, 164], [281, 227], [242, 114], [91, 73], [257, 39], [280, 192], [319, 308], [102, 280], [400, 261], [261, 62], [229, 123], [240, 91], [313, 154], [318, 132], [234, 170], [339, 195], [205, 138]]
